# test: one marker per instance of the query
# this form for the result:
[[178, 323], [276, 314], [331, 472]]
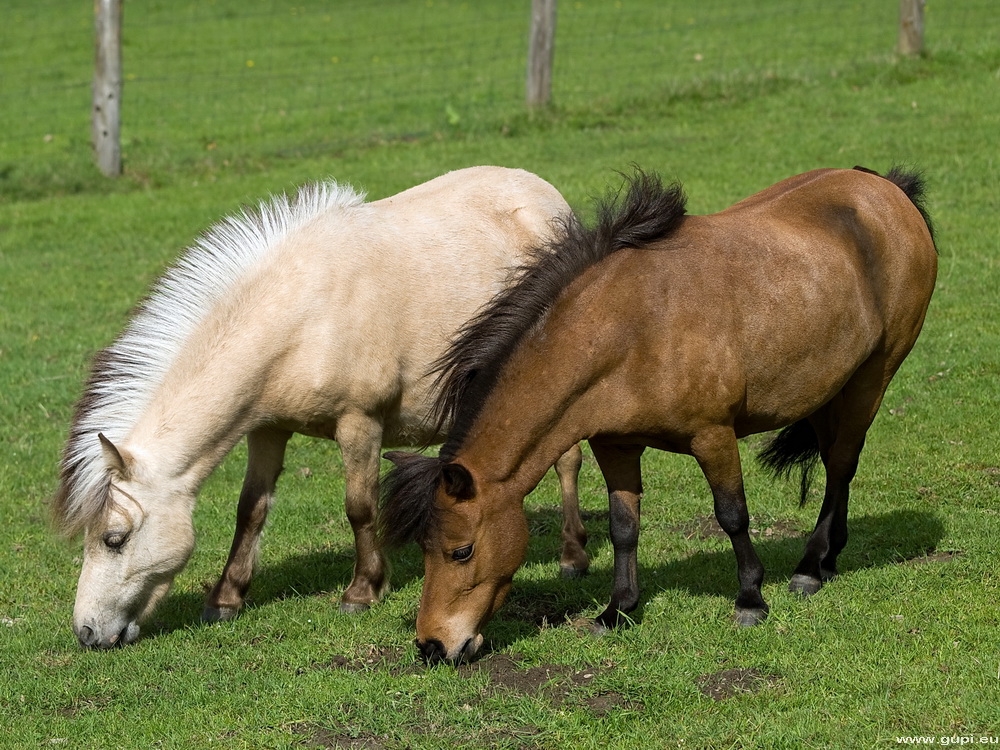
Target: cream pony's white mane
[[126, 374]]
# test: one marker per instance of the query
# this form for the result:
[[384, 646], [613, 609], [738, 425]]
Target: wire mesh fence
[[293, 76]]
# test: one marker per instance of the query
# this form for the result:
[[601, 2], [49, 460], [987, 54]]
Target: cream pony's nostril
[[86, 636]]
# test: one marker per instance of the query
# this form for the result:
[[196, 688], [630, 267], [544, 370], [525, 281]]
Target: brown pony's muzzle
[[434, 651]]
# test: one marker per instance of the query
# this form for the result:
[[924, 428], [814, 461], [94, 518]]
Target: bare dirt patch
[[314, 735], [706, 527], [396, 659], [934, 556], [81, 706], [732, 682], [993, 472], [559, 684], [543, 611], [521, 737]]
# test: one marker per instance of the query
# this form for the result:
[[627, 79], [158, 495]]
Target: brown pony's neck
[[531, 417], [469, 370]]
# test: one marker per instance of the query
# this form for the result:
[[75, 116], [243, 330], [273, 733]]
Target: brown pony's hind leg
[[573, 562], [718, 456], [819, 562], [840, 428], [266, 452], [623, 474], [360, 440]]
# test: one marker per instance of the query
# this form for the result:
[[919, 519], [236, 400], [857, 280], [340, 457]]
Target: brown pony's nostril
[[432, 650]]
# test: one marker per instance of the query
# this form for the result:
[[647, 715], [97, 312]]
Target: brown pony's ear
[[116, 460], [458, 482]]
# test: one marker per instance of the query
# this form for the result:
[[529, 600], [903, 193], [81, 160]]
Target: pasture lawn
[[904, 643]]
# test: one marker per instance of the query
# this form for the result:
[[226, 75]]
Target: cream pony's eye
[[114, 540], [462, 553]]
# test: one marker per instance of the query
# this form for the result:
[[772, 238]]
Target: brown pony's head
[[471, 549]]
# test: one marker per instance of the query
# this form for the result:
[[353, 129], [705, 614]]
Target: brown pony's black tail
[[911, 182], [795, 446]]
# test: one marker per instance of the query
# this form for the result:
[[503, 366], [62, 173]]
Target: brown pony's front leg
[[719, 457], [266, 452], [360, 440], [623, 474], [573, 562]]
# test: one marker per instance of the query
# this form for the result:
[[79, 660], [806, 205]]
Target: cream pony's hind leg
[[266, 452], [360, 440], [573, 562]]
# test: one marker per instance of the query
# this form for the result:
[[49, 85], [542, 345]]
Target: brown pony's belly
[[791, 399]]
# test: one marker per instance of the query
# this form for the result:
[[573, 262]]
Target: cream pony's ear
[[118, 461]]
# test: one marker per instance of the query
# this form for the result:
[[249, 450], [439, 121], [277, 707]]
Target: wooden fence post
[[541, 49], [107, 91], [911, 27]]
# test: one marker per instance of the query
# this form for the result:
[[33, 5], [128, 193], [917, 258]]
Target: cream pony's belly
[[404, 413]]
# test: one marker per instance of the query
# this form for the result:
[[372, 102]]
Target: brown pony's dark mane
[[407, 511], [469, 369]]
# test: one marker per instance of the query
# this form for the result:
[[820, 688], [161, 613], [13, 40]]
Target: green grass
[[896, 647]]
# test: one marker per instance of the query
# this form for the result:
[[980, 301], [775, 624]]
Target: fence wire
[[281, 76]]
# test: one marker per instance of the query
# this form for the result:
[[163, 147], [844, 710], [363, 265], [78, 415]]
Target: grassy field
[[904, 644]]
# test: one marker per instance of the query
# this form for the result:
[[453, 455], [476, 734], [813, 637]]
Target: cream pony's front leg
[[360, 439], [266, 453]]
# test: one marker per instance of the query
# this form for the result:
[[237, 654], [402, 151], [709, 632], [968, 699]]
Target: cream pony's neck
[[210, 397]]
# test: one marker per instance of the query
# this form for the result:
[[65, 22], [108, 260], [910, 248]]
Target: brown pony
[[791, 309]]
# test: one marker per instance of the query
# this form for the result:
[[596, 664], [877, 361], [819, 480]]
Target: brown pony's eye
[[114, 540], [462, 553]]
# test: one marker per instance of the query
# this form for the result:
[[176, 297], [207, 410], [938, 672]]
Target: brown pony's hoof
[[571, 571], [353, 608], [219, 614], [804, 585], [747, 617]]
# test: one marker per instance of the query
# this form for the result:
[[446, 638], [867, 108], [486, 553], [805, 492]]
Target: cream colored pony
[[319, 316]]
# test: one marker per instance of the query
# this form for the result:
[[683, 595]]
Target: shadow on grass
[[876, 541], [321, 573]]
